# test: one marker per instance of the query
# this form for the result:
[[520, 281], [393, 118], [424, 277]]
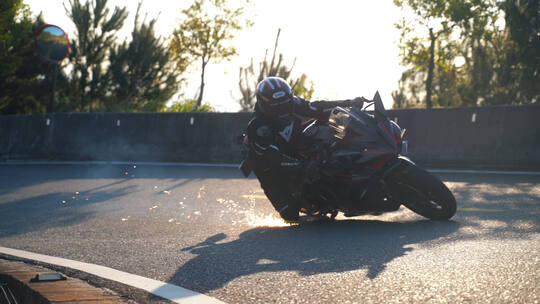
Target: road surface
[[212, 231]]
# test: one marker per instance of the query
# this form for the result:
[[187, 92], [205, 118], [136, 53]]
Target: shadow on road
[[58, 209], [307, 249], [495, 206], [18, 176]]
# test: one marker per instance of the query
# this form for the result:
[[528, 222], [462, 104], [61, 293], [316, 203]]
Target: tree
[[202, 36], [420, 52], [427, 12], [250, 77], [523, 28], [95, 35], [142, 73], [136, 75], [23, 78], [458, 30]]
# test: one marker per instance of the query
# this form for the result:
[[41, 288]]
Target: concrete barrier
[[504, 137]]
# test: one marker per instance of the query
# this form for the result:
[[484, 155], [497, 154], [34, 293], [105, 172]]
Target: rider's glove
[[358, 102]]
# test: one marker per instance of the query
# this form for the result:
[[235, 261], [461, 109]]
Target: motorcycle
[[362, 168]]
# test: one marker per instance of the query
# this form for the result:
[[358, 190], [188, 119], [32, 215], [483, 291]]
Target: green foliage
[[202, 37], [95, 35], [466, 31], [139, 75], [189, 105], [250, 77], [9, 10], [523, 50], [24, 81], [300, 87], [142, 74]]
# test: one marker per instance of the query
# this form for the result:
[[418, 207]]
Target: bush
[[189, 105]]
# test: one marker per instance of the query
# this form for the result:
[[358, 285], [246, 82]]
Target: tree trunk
[[81, 88], [53, 91], [199, 100], [431, 65]]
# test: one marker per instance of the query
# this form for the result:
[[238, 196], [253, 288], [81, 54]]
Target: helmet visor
[[279, 107]]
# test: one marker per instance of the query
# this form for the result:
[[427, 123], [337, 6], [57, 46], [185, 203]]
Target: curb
[[16, 277]]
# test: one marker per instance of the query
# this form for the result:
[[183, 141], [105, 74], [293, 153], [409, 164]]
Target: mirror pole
[[51, 103]]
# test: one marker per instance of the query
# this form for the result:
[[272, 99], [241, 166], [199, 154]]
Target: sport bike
[[360, 168]]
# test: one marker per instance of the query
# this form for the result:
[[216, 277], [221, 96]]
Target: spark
[[201, 192], [254, 196], [255, 220]]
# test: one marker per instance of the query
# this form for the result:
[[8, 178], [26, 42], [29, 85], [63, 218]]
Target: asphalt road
[[212, 231]]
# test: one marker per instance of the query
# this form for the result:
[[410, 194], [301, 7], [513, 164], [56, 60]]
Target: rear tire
[[423, 193]]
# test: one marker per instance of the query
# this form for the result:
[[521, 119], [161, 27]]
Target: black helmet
[[275, 97]]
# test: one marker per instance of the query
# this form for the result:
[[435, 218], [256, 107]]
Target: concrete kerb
[[17, 278], [122, 280]]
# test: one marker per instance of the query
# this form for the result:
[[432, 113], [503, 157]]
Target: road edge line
[[168, 291], [494, 172], [224, 165]]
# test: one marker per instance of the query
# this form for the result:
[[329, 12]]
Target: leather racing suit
[[272, 151]]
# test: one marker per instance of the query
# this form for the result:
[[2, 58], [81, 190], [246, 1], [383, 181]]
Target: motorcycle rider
[[275, 135]]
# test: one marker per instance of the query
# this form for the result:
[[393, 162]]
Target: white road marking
[[121, 163], [168, 291], [219, 165], [480, 210], [485, 172]]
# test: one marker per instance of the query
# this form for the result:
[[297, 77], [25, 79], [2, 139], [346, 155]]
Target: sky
[[347, 48]]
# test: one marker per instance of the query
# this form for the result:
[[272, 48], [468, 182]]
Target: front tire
[[423, 193]]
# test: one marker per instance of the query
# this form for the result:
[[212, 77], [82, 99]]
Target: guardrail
[[502, 137]]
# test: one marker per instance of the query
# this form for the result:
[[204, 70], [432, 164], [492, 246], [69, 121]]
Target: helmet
[[275, 97]]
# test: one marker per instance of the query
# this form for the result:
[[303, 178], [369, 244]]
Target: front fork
[[393, 169]]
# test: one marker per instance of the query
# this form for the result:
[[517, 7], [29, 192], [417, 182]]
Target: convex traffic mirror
[[52, 44]]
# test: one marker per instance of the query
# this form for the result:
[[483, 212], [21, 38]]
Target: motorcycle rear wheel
[[424, 194]]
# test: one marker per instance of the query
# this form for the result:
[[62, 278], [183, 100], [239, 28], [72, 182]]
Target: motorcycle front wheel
[[423, 193]]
